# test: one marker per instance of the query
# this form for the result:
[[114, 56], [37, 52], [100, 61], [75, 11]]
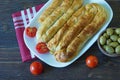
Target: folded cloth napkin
[[20, 20]]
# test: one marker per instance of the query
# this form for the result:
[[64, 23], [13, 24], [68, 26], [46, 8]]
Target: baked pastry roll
[[84, 18], [79, 41], [60, 22], [68, 27], [50, 20], [52, 44], [49, 10], [73, 26]]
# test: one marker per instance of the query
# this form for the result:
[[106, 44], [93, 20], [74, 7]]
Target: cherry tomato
[[42, 48], [36, 68], [91, 61], [31, 31]]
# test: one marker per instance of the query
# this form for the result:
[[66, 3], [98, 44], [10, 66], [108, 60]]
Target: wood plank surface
[[12, 68]]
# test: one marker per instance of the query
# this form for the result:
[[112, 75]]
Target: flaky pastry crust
[[68, 31]]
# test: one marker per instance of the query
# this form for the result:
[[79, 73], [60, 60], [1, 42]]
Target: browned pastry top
[[72, 29]]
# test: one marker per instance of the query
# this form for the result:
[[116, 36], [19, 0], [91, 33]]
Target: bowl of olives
[[109, 42]]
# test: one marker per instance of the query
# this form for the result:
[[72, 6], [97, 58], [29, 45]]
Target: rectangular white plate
[[49, 58]]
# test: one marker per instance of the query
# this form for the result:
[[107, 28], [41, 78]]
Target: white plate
[[48, 58]]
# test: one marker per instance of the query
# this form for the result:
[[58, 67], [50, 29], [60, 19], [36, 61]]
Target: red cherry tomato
[[42, 48], [91, 61], [31, 31], [36, 68]]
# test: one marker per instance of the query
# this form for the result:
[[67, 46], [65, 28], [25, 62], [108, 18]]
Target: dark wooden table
[[12, 68]]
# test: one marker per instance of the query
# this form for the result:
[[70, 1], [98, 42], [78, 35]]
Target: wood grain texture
[[12, 68]]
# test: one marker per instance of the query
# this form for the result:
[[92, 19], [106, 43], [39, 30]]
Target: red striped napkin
[[20, 20]]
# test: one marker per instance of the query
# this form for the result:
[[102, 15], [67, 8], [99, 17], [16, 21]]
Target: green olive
[[117, 49], [109, 31], [104, 47], [114, 37], [106, 35], [117, 30], [114, 44], [109, 49], [109, 41], [118, 40], [102, 40]]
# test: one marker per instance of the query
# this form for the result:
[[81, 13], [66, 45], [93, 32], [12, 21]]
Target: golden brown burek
[[70, 36], [61, 21], [49, 10], [79, 41], [73, 26], [52, 18]]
